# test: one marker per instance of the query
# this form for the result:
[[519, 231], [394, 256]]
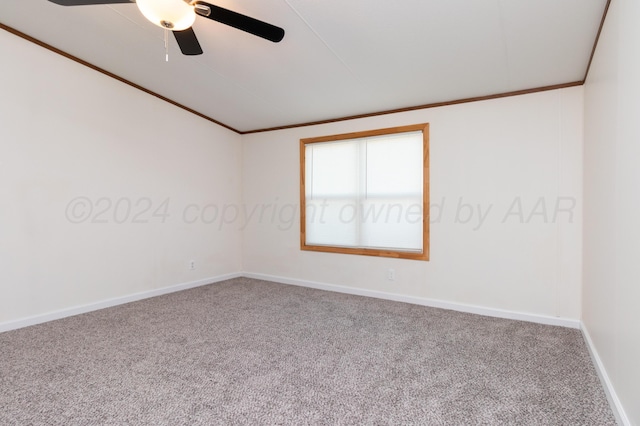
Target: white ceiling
[[338, 58]]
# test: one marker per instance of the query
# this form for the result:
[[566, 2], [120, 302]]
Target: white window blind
[[366, 192]]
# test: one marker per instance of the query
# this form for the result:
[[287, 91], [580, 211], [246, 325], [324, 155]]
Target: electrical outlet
[[192, 264], [391, 274]]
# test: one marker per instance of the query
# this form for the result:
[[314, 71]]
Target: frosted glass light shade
[[175, 15]]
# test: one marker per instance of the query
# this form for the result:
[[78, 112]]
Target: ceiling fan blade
[[87, 2], [188, 42], [239, 21]]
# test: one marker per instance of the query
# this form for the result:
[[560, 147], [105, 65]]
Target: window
[[366, 193]]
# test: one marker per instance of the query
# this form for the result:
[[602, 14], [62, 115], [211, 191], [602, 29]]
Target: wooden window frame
[[424, 255]]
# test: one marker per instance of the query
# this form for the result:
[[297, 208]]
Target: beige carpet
[[254, 352]]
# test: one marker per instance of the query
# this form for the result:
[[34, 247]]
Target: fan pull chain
[[166, 45]]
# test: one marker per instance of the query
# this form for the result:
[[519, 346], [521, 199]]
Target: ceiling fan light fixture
[[176, 15]]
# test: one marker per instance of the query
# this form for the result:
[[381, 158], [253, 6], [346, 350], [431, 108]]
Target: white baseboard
[[75, 310], [461, 307], [500, 313], [612, 396]]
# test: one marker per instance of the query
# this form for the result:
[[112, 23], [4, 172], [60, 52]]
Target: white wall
[[67, 131], [498, 169], [512, 155], [612, 203]]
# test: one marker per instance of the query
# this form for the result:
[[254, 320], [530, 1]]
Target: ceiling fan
[[179, 15]]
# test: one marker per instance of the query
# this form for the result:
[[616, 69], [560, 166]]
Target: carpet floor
[[246, 351]]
